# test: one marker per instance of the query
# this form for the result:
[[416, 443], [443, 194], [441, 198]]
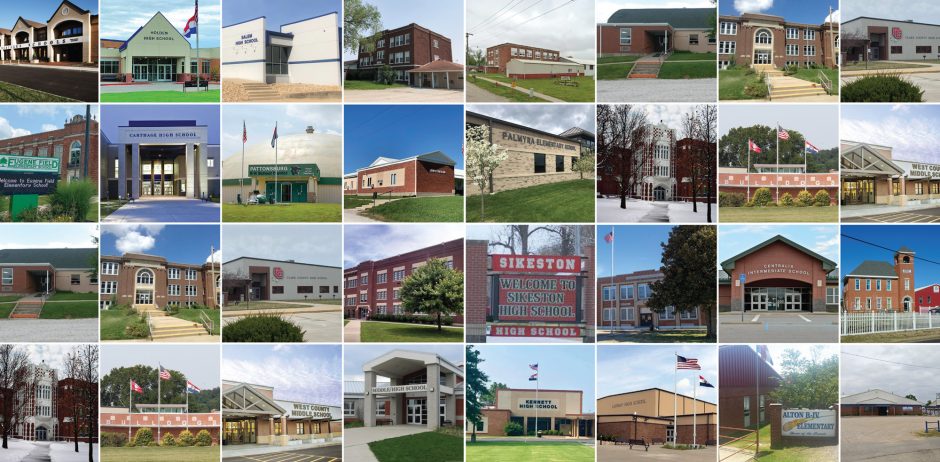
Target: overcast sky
[[199, 363], [605, 8], [910, 130], [259, 120], [917, 375], [918, 10], [734, 239], [314, 375], [819, 123], [318, 244], [52, 353], [373, 242], [619, 372], [34, 236], [533, 23], [355, 356], [552, 118]]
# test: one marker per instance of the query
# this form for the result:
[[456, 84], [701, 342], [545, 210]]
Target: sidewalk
[[523, 90], [852, 211], [931, 67], [351, 331]]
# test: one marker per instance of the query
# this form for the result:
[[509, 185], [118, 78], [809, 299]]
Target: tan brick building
[[559, 410], [763, 40], [70, 35], [252, 415], [648, 415], [881, 286]]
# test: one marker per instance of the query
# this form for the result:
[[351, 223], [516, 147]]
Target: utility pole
[[467, 41]]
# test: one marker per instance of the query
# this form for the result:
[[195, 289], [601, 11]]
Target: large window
[[627, 314], [191, 274], [109, 67], [609, 293], [729, 28], [539, 163], [75, 154], [897, 49], [809, 34], [381, 278], [276, 60], [832, 295], [109, 268], [173, 273], [560, 165], [643, 291], [793, 50], [173, 290], [108, 287], [809, 50], [145, 276], [923, 49], [763, 37], [626, 36], [626, 292], [726, 48], [793, 33]]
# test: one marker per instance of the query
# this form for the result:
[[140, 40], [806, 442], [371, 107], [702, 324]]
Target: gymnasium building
[[28, 271], [252, 415], [648, 415], [879, 403], [739, 405], [765, 41], [881, 286], [559, 410], [69, 36], [778, 275], [621, 302], [267, 279], [656, 30], [875, 39], [871, 175], [428, 174], [148, 282], [77, 161]]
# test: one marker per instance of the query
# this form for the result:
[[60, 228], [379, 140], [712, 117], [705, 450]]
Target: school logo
[[896, 33], [278, 272]]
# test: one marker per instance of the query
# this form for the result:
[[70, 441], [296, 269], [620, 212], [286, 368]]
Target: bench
[[195, 84], [566, 81], [638, 442], [659, 441]]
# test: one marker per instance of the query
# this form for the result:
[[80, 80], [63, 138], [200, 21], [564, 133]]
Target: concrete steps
[[791, 89], [645, 70], [260, 91], [152, 310], [168, 327], [26, 309]]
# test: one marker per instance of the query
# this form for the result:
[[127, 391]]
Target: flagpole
[[537, 378], [748, 170], [804, 162], [130, 409], [616, 293], [198, 64], [244, 135], [675, 397], [694, 412], [277, 191], [777, 171], [159, 407], [187, 403], [757, 384]]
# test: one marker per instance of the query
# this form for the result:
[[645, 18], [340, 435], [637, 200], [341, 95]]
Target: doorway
[[659, 193], [41, 434], [646, 319], [417, 411], [240, 431], [143, 297], [793, 302], [759, 301], [164, 72], [858, 191], [141, 72], [761, 57]]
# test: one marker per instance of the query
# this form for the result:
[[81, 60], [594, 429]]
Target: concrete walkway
[[351, 331], [524, 90], [357, 439], [164, 210], [657, 90], [658, 214], [476, 94], [356, 215], [931, 67], [403, 95], [40, 453]]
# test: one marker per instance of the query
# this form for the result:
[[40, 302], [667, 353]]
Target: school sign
[[808, 422], [535, 289], [28, 175]]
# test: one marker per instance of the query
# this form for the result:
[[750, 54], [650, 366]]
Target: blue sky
[[801, 11], [618, 370], [35, 236], [355, 356], [116, 115], [199, 363], [636, 248], [121, 18], [372, 242], [40, 10], [276, 12], [907, 128], [442, 16], [177, 243], [259, 121], [734, 239], [569, 367], [921, 239], [24, 119], [315, 375], [400, 131]]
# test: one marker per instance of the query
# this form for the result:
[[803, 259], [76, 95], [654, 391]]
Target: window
[[809, 34], [107, 287], [858, 303], [609, 293], [907, 284], [381, 278], [539, 163], [923, 49], [449, 264], [210, 162], [878, 302], [793, 33], [877, 284], [693, 39], [726, 48], [608, 314], [276, 60], [858, 283], [173, 289], [145, 276], [668, 313], [363, 297], [868, 303], [626, 292], [793, 50], [109, 67], [304, 289], [395, 294], [643, 291], [75, 154], [173, 273], [559, 163], [436, 44], [191, 290], [349, 408], [729, 28], [832, 295], [381, 295], [364, 279], [398, 275], [761, 403], [393, 179], [626, 314], [868, 284], [396, 308], [747, 410], [190, 275], [763, 37], [109, 268], [350, 301], [626, 36], [689, 314], [897, 49], [300, 428], [809, 50], [888, 301], [918, 189]]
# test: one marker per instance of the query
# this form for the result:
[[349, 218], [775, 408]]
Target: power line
[[530, 19], [501, 21], [890, 362], [886, 248], [492, 16]]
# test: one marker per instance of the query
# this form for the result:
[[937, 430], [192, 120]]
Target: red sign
[[896, 32], [537, 263], [534, 331], [278, 272], [537, 298]]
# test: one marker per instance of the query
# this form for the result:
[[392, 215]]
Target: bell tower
[[904, 268]]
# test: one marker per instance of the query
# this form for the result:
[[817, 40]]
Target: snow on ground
[[65, 452], [609, 211], [681, 212], [637, 211], [16, 450]]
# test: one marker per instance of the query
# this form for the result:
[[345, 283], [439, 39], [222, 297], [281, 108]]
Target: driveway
[[356, 440], [890, 214], [476, 94], [166, 210], [403, 95], [888, 439], [612, 453], [657, 90], [332, 453], [49, 330], [798, 327], [77, 84]]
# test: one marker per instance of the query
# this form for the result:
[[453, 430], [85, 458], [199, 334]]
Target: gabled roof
[[574, 132], [58, 258], [28, 22], [679, 18], [878, 157], [281, 261], [71, 5], [873, 268], [147, 23], [877, 396], [435, 156], [828, 264]]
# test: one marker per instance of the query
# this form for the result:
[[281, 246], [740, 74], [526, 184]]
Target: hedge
[[513, 429], [882, 88], [262, 328], [726, 199], [411, 318]]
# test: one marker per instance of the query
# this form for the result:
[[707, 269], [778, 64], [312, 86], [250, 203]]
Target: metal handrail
[[149, 325], [206, 321], [826, 83]]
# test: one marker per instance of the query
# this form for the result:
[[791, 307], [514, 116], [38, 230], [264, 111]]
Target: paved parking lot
[[888, 439], [611, 453], [318, 327], [323, 454], [793, 327], [81, 85], [654, 90], [931, 215]]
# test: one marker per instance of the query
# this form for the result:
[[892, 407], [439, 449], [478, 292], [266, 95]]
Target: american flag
[[244, 132], [687, 363], [783, 134], [164, 374], [609, 237], [534, 367]]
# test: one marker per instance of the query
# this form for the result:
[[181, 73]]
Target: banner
[[537, 298], [284, 170], [536, 263], [809, 422], [12, 183], [533, 331]]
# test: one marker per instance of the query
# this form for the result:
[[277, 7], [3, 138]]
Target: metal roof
[[679, 18], [58, 258], [878, 396]]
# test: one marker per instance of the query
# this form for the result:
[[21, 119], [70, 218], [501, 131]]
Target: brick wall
[[589, 285], [496, 420], [475, 299], [434, 178], [624, 431]]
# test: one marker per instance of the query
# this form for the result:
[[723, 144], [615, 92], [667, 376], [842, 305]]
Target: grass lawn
[[788, 454], [584, 92], [511, 94], [70, 310], [919, 336], [9, 298], [6, 308], [62, 295], [731, 83], [543, 451], [812, 75], [280, 213], [373, 331], [424, 209], [435, 446], [108, 207], [616, 59], [211, 96], [192, 315], [688, 70], [562, 202], [161, 454], [690, 56], [114, 323], [12, 93], [368, 85], [879, 65], [778, 214], [614, 71], [665, 336], [351, 202]]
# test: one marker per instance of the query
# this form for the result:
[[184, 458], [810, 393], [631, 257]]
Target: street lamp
[[634, 425]]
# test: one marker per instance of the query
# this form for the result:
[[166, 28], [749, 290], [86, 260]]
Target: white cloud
[[911, 138], [49, 127], [834, 17], [753, 6], [216, 257], [312, 378], [133, 238], [396, 239], [9, 131]]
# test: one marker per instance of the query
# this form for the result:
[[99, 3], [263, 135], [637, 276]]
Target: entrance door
[[415, 411], [659, 193], [284, 196], [143, 297], [793, 302], [41, 434], [141, 72], [164, 71], [646, 319], [758, 302], [761, 57], [298, 192]]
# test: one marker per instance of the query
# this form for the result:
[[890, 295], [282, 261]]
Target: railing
[[149, 326], [206, 322], [824, 81], [734, 441], [875, 322], [770, 87]]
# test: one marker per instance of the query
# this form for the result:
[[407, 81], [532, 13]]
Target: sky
[[52, 353], [24, 119], [569, 367], [636, 248], [533, 23], [918, 10], [801, 11], [40, 10], [909, 129], [276, 12], [922, 240], [734, 239], [605, 8], [400, 131], [33, 236], [916, 374], [116, 115], [199, 363], [315, 375], [552, 118], [317, 244], [618, 371], [259, 122], [121, 18], [355, 356], [373, 242], [819, 123], [177, 243], [442, 16], [806, 351]]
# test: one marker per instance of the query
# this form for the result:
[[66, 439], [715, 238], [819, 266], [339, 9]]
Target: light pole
[[634, 425]]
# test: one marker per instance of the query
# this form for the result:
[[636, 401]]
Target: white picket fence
[[873, 323]]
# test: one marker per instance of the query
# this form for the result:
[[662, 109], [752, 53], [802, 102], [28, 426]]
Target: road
[[70, 83], [888, 439], [801, 327], [324, 454], [49, 330], [476, 94]]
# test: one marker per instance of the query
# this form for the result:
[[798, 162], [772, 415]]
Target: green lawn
[[108, 207], [690, 56], [688, 70], [161, 454], [70, 310], [368, 85], [511, 94], [328, 301], [420, 209], [281, 213], [351, 202], [192, 314], [731, 83], [919, 336], [373, 331], [6, 308], [168, 96], [9, 298], [12, 93], [614, 71], [114, 323], [431, 446], [665, 336], [812, 75], [616, 59], [778, 214], [787, 454], [879, 65], [584, 92], [542, 451], [562, 202], [63, 295]]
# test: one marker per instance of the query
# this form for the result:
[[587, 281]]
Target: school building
[[621, 302], [742, 374], [428, 174], [167, 418], [654, 415], [881, 286], [150, 282], [76, 159], [780, 179], [30, 271], [542, 410], [872, 175], [498, 56], [765, 41], [874, 39], [406, 49], [778, 275], [70, 35], [266, 279], [641, 31], [252, 415], [879, 403]]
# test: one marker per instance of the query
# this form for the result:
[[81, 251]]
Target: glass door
[[285, 192], [761, 57], [758, 301], [163, 72], [143, 297], [794, 302]]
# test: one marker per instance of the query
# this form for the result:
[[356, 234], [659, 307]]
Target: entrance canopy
[[244, 401], [399, 363], [864, 162]]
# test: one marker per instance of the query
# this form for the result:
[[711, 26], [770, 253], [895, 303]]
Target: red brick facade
[[69, 392], [642, 40], [497, 56], [625, 298], [419, 46], [876, 410], [738, 181], [865, 293], [129, 265], [169, 423], [61, 143], [738, 375], [812, 44], [927, 298], [418, 177]]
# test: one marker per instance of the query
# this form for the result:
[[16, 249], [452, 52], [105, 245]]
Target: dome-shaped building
[[308, 168]]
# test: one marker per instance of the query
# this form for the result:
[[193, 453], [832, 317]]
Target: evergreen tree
[[474, 389], [688, 282]]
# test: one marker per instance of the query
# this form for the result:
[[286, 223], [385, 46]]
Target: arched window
[[907, 304], [763, 37], [145, 276], [75, 154]]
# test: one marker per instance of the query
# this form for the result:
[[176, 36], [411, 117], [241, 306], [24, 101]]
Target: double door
[[793, 302], [763, 57], [759, 301], [417, 412]]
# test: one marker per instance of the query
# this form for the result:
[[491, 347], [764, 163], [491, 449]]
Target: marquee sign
[[401, 388], [537, 298], [28, 175], [533, 331], [540, 404], [536, 263], [284, 170], [315, 411], [809, 422]]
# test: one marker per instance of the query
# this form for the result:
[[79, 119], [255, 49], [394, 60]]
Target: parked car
[[934, 311]]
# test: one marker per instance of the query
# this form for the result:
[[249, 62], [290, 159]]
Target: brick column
[[589, 295], [775, 413], [476, 297]]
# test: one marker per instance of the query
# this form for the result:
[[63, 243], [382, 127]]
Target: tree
[[911, 397], [475, 57], [623, 134], [361, 23], [734, 153], [433, 289], [554, 239], [490, 397], [474, 389], [482, 159], [386, 75], [687, 284], [707, 116], [811, 383], [14, 368], [585, 163], [87, 355]]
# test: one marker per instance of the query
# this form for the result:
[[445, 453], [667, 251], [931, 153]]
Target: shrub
[[169, 440], [756, 90], [762, 197], [749, 204], [143, 436], [113, 440], [411, 318], [73, 199], [804, 199], [138, 329], [262, 328], [152, 444], [731, 199], [387, 75], [886, 88], [186, 438], [786, 200], [748, 70], [203, 438], [513, 429], [822, 198]]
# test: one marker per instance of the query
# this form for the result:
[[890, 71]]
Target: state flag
[[136, 388]]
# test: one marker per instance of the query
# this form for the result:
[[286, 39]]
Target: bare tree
[[623, 146], [708, 133], [71, 394], [14, 368], [690, 131], [515, 238], [88, 375]]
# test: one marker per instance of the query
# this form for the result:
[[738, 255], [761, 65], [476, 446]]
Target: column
[[434, 396], [394, 404], [368, 408], [49, 51], [890, 191], [190, 172], [202, 171], [450, 401], [121, 159], [135, 170], [284, 438], [903, 197], [270, 430]]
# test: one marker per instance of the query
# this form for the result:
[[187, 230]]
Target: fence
[[737, 443], [874, 322]]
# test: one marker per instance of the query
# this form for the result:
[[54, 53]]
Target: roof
[[905, 249], [575, 132], [435, 156], [71, 5], [357, 387], [878, 396], [891, 20], [58, 258], [577, 60], [679, 18], [873, 268], [124, 46], [31, 23], [657, 389], [439, 66], [282, 261], [827, 263]]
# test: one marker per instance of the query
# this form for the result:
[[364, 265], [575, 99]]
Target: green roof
[[58, 258], [678, 18]]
